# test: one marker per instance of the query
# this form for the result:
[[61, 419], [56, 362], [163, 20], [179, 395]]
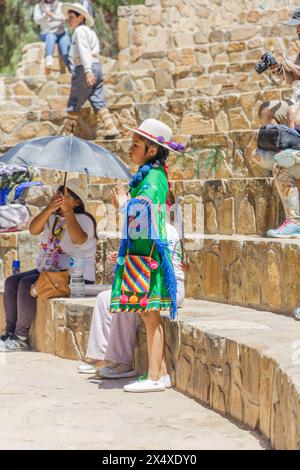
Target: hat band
[[161, 140]]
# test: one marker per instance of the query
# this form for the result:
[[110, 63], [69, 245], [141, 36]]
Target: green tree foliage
[[17, 28]]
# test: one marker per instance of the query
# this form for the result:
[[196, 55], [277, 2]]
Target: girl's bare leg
[[155, 344]]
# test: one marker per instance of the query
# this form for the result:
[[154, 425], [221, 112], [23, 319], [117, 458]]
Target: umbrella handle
[[65, 181]]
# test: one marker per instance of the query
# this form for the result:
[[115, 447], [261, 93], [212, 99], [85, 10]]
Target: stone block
[[123, 32], [213, 277], [271, 287], [211, 218], [193, 124], [163, 79], [246, 223]]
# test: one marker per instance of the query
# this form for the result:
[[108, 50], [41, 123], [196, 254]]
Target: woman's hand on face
[[118, 196], [112, 257], [56, 202], [68, 204]]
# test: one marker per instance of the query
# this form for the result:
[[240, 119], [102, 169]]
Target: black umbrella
[[67, 153]]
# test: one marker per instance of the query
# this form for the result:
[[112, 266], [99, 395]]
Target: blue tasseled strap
[[140, 175], [162, 248]]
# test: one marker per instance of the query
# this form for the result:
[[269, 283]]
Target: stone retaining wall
[[230, 361], [149, 30]]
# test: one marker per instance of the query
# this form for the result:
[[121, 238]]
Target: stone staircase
[[190, 64], [205, 87]]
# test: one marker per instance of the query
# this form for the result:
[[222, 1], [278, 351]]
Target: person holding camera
[[281, 111], [284, 164]]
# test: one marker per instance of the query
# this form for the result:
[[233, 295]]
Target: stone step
[[208, 155], [185, 114], [242, 44], [244, 206], [239, 361], [245, 46], [235, 76], [249, 271]]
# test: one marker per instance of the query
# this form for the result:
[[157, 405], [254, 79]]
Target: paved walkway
[[45, 404]]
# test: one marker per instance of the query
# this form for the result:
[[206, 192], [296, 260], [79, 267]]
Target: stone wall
[[231, 361], [150, 30], [225, 207]]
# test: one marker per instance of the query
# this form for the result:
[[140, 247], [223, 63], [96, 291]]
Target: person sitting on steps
[[66, 230], [48, 15], [87, 76]]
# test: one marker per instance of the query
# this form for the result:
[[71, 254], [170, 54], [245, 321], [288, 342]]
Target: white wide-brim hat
[[66, 7], [158, 132], [76, 186]]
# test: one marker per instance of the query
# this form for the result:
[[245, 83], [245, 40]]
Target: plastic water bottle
[[16, 267], [77, 286]]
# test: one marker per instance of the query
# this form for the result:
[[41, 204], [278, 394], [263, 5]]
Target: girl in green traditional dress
[[144, 281]]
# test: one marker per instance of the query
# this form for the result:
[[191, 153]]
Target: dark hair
[[76, 14], [80, 209], [162, 152]]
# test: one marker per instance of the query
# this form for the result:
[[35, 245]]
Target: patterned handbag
[[136, 278]]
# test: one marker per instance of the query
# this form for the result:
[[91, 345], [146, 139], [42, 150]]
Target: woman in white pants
[[112, 337]]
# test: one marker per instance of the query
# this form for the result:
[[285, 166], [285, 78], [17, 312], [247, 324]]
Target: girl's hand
[[90, 79], [112, 257], [118, 196], [56, 202]]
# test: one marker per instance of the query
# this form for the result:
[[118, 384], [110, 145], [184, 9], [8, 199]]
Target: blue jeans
[[64, 43], [80, 91]]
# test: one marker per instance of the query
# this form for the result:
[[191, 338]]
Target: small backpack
[[276, 138]]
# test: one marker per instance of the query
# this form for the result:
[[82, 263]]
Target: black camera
[[267, 60]]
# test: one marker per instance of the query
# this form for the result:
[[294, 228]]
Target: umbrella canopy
[[69, 154]]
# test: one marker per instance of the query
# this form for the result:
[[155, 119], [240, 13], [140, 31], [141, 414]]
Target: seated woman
[[66, 230], [48, 15], [112, 337]]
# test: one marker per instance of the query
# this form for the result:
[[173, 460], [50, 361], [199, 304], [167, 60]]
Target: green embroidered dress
[[149, 196]]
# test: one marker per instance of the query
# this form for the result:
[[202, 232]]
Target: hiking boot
[[105, 118], [286, 230], [70, 123]]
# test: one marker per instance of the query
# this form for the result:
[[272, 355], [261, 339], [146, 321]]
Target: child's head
[[75, 19], [143, 150], [77, 15]]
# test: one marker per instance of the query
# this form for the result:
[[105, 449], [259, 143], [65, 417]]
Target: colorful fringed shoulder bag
[[136, 278]]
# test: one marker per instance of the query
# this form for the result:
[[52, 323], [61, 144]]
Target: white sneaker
[[141, 386], [116, 370], [86, 369], [166, 381], [49, 61]]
